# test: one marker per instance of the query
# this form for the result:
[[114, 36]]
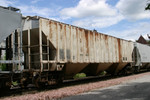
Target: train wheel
[[59, 81], [38, 83], [60, 78], [6, 85], [137, 69], [24, 83]]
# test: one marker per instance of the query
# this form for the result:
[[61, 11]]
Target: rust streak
[[77, 43], [119, 49], [65, 30], [106, 37], [106, 41], [60, 26], [96, 36], [86, 37], [50, 30]]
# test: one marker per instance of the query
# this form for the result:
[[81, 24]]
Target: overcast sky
[[125, 19]]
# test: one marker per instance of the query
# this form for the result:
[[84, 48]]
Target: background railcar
[[10, 48], [141, 56]]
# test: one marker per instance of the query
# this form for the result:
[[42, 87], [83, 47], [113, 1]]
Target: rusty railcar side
[[78, 45], [79, 48]]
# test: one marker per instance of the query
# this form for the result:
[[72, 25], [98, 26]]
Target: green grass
[[3, 67], [103, 73], [15, 83], [79, 75]]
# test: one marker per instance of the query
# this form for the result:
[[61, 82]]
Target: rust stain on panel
[[91, 46], [65, 31], [86, 37], [96, 34], [65, 38], [119, 49], [106, 37], [77, 44], [60, 26], [91, 33], [50, 34]]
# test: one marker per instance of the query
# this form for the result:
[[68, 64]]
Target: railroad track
[[31, 89]]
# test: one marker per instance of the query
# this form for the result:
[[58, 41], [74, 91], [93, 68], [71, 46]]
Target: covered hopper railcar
[[141, 56], [61, 50]]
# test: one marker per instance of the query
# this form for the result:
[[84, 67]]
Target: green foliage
[[3, 67], [149, 42], [103, 73], [4, 57], [147, 7], [15, 83], [79, 75]]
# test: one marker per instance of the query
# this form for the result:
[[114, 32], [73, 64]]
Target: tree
[[147, 7], [148, 36]]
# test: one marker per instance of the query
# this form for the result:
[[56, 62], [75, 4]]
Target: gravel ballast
[[74, 90]]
